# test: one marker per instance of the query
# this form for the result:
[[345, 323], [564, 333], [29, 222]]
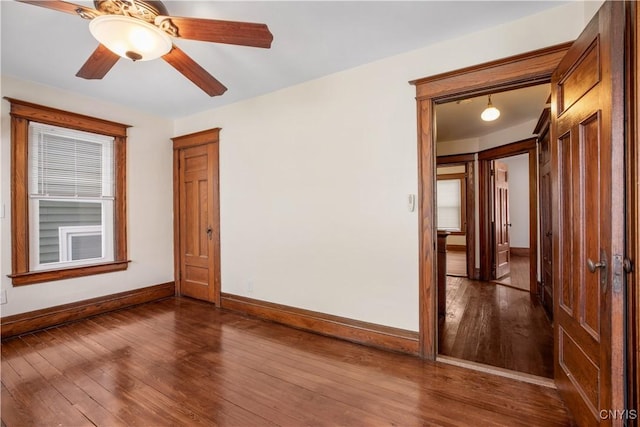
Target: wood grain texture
[[468, 160], [588, 181], [40, 319], [98, 64], [228, 32], [19, 195], [520, 70], [41, 276], [511, 149], [498, 326], [427, 268], [189, 68], [633, 196], [528, 146], [53, 116], [520, 251], [21, 114], [517, 71], [519, 277], [206, 141], [456, 263], [183, 362], [61, 6], [371, 334], [533, 220], [455, 159]]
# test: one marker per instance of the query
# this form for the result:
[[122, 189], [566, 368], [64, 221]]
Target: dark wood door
[[502, 232], [546, 230], [588, 241], [198, 222]]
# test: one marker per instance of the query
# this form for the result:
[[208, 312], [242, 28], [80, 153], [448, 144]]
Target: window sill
[[32, 277]]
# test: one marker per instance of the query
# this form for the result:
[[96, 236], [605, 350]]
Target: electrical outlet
[[3, 297], [250, 286]]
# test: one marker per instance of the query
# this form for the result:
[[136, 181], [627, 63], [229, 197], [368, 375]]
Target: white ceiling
[[311, 39], [461, 119]]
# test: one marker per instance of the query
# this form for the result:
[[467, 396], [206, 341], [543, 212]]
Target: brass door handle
[[593, 266], [602, 264]]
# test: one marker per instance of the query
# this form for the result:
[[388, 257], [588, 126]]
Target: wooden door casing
[[587, 136], [196, 218], [501, 221], [530, 67], [546, 228]]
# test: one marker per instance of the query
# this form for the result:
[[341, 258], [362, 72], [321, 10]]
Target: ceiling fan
[[142, 30]]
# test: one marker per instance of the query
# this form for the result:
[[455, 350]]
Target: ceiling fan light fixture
[[130, 37], [490, 113]]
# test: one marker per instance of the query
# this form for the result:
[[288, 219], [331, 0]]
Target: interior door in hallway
[[501, 218], [588, 232], [197, 216]]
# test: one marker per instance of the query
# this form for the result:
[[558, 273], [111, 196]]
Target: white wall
[[149, 202], [314, 178], [518, 199]]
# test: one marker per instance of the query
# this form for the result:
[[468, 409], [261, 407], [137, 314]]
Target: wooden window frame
[[462, 177], [21, 114]]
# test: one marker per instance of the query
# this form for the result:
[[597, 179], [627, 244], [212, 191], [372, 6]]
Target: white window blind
[[449, 204], [71, 187], [70, 163]]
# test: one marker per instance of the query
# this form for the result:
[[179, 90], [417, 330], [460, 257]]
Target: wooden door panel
[[584, 373], [197, 221], [566, 215], [501, 219], [587, 151]]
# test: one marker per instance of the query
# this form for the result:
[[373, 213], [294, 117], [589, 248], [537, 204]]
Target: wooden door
[[198, 258], [501, 218], [546, 231], [588, 241]]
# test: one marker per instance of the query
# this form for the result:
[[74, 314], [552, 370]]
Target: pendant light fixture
[[490, 113]]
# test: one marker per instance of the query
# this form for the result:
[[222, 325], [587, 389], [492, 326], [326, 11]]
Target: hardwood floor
[[456, 263], [184, 362], [496, 325], [519, 275]]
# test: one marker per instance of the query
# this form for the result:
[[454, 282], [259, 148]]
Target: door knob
[[209, 231], [593, 266], [602, 265]]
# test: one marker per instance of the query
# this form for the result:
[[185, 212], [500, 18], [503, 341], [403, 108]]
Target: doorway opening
[[493, 314]]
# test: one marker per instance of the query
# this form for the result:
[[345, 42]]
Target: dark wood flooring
[[519, 276], [183, 362], [457, 263], [496, 325]]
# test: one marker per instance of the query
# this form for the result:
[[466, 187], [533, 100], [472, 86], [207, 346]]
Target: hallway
[[496, 325]]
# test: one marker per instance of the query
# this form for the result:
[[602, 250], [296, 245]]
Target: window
[[68, 188], [450, 202]]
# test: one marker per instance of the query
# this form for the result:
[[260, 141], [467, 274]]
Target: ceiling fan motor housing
[[144, 10]]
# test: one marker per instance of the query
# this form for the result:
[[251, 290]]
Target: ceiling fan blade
[[98, 64], [63, 6], [229, 32], [194, 72]]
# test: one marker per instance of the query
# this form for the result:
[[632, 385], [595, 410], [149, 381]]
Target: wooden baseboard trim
[[370, 334], [520, 251], [457, 248], [22, 323]]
